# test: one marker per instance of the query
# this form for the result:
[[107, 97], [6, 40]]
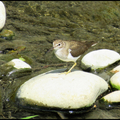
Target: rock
[[99, 59], [113, 97], [15, 68], [116, 69], [18, 64], [75, 90], [115, 81], [7, 34], [2, 15]]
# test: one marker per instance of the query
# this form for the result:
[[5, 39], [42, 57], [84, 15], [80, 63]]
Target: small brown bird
[[71, 50]]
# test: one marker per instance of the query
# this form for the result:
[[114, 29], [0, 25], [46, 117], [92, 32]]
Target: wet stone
[[15, 68], [99, 59], [110, 100], [113, 97], [75, 90], [116, 69], [2, 15], [115, 81]]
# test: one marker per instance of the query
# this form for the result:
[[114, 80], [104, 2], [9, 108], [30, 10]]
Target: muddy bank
[[36, 25]]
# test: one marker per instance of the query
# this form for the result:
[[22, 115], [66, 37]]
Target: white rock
[[99, 59], [2, 15], [116, 69], [112, 97], [77, 89], [18, 64], [115, 80]]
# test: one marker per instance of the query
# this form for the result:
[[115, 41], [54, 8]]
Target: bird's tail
[[91, 43]]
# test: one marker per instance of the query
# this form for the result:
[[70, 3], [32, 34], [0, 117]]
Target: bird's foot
[[70, 69], [65, 72]]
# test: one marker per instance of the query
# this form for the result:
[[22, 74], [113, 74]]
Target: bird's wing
[[78, 49]]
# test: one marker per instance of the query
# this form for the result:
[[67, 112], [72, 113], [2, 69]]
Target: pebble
[[15, 68], [2, 15], [113, 97], [116, 69], [18, 64], [115, 81]]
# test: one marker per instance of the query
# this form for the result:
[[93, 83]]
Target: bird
[[70, 51]]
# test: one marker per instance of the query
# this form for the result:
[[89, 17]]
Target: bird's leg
[[71, 68]]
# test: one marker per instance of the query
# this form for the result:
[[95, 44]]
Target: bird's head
[[57, 44]]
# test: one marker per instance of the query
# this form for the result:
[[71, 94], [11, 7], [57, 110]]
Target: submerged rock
[[15, 68], [113, 97], [99, 59], [7, 34], [110, 101], [2, 15], [116, 69], [115, 81], [75, 90]]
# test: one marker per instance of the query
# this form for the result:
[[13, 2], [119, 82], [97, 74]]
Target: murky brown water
[[36, 25]]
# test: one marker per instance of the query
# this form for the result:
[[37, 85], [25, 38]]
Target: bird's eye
[[59, 44]]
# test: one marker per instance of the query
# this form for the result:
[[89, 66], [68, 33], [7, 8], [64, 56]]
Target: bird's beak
[[50, 49]]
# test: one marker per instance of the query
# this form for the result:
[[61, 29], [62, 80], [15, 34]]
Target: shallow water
[[36, 25]]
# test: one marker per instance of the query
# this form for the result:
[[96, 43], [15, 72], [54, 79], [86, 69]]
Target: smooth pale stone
[[77, 89], [99, 59], [112, 97], [116, 69], [115, 81], [2, 15], [18, 64]]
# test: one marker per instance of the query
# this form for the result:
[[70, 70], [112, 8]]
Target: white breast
[[71, 58], [59, 54]]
